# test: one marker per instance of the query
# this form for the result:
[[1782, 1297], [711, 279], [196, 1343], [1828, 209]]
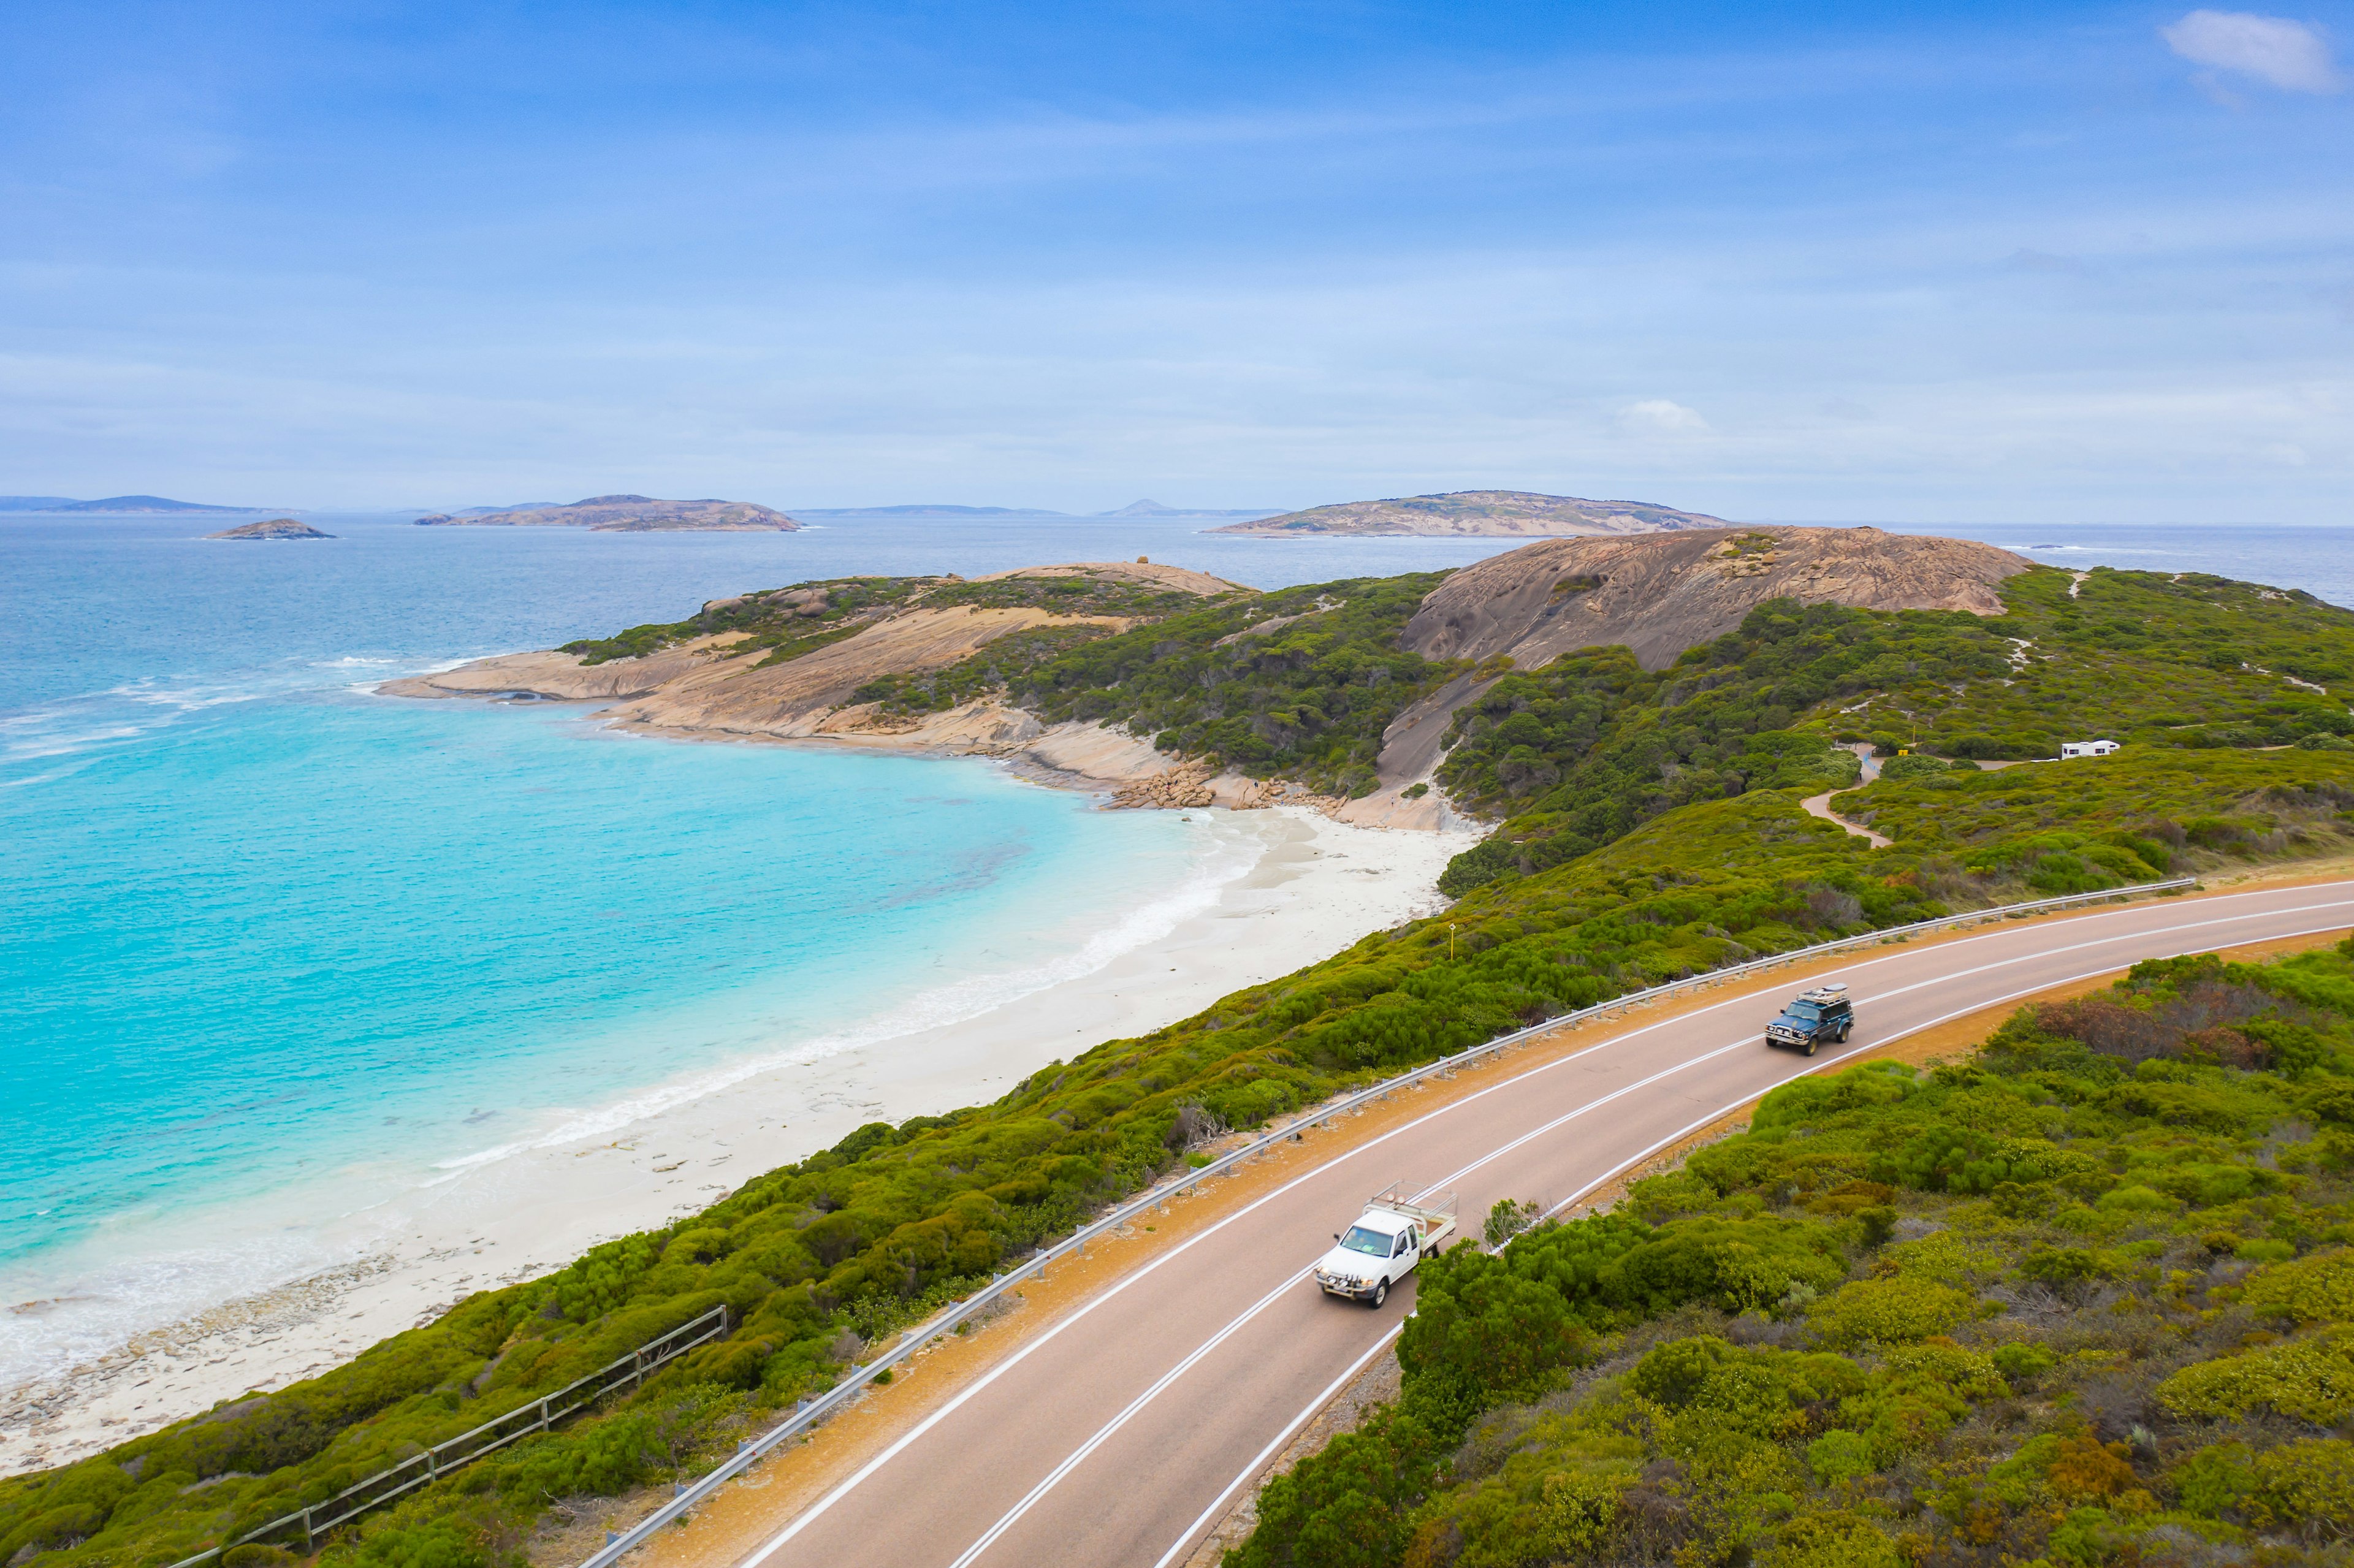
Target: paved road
[[1116, 1437]]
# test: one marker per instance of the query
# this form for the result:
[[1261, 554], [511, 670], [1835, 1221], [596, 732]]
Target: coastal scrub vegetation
[[820, 1259], [2083, 1299], [803, 618], [1574, 754], [1300, 682]]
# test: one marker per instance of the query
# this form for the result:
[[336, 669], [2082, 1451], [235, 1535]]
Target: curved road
[[1119, 1434]]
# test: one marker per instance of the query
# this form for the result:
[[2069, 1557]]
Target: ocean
[[272, 945]]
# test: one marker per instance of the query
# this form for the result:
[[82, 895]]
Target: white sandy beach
[[1318, 886]]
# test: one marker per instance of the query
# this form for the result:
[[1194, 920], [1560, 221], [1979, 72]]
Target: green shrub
[[2305, 1380], [1888, 1312], [2310, 1482], [2319, 1289]]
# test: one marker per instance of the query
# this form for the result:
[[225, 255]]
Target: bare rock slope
[[627, 514], [1664, 593], [712, 685], [1490, 513]]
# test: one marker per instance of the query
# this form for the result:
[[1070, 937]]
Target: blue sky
[[1995, 263]]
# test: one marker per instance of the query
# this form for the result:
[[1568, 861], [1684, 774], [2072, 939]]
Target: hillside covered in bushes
[[2086, 1297], [819, 1258], [1574, 754]]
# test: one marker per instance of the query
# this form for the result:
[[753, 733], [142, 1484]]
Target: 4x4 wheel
[[1811, 1045], [1381, 1293], [1843, 1030]]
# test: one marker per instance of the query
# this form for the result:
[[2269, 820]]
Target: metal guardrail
[[809, 1413], [535, 1416]]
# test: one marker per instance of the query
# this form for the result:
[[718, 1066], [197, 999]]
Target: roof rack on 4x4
[[1837, 991]]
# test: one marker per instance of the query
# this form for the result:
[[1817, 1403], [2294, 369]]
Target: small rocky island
[[624, 514], [275, 528]]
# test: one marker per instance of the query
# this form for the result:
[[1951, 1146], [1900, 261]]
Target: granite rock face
[[1663, 593], [1660, 594]]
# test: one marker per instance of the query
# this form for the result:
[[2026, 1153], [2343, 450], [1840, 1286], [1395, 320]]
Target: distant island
[[627, 514], [943, 509], [1508, 513], [275, 528], [1154, 509], [125, 504], [925, 509]]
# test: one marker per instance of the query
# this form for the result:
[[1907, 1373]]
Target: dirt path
[[1820, 806]]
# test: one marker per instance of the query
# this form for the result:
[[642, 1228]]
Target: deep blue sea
[[265, 934]]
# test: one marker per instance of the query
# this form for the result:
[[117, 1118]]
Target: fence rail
[[316, 1520], [809, 1412]]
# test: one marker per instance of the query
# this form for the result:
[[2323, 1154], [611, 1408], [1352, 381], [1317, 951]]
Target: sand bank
[[1314, 887]]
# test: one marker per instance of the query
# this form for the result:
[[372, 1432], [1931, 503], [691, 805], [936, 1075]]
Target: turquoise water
[[269, 942], [271, 945], [321, 934]]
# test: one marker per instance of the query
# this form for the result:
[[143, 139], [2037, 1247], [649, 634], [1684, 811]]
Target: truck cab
[[1388, 1239], [1812, 1018]]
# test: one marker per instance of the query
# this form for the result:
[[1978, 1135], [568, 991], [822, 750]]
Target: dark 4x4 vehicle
[[1812, 1018]]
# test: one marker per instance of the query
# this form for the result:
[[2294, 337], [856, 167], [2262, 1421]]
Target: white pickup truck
[[1388, 1239]]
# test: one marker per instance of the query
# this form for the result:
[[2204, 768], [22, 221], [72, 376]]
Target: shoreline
[[674, 694], [1315, 885]]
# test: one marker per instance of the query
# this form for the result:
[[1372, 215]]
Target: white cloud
[[2288, 55], [1659, 415]]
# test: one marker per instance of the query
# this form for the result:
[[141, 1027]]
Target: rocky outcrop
[[627, 514], [1470, 513], [715, 684], [276, 528], [1659, 595]]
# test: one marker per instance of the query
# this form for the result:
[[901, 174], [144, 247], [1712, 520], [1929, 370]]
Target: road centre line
[[899, 1445], [1307, 1414], [1749, 1042], [1722, 1111], [1209, 1514], [1103, 1435]]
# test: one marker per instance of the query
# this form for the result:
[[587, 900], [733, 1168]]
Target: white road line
[[1751, 1040], [1209, 1514], [1727, 1110], [1307, 1414], [1103, 1434], [825, 1503]]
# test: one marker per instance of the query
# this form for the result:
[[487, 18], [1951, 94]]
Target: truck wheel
[[1811, 1045], [1844, 1028], [1381, 1294]]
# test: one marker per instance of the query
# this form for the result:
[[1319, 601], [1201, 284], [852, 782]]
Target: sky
[[1812, 261]]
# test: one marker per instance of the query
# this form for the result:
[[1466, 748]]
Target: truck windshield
[[1804, 1012], [1372, 1242]]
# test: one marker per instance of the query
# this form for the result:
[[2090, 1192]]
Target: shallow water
[[269, 943]]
